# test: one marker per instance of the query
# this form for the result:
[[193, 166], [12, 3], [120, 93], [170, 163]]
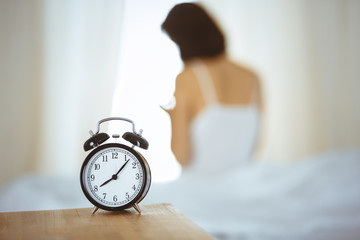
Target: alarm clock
[[115, 176]]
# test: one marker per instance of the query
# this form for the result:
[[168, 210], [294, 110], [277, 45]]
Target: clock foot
[[137, 208], [94, 210]]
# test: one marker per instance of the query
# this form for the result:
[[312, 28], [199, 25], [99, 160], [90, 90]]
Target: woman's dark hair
[[194, 31]]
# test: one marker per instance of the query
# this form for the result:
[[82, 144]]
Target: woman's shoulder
[[185, 80], [241, 69]]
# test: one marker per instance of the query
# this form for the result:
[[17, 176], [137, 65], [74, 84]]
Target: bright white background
[[65, 65], [149, 63]]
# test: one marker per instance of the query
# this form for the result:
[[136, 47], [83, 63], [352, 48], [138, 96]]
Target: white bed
[[315, 198]]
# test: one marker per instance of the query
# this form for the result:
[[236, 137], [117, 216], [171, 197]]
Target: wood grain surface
[[158, 221]]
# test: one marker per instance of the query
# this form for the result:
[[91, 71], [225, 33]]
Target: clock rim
[[145, 184]]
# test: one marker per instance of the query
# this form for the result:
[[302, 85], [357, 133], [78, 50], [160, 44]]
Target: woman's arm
[[180, 123]]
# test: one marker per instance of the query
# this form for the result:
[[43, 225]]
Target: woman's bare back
[[233, 84]]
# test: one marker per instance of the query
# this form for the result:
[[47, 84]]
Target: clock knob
[[136, 139]]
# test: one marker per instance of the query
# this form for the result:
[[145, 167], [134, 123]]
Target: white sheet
[[316, 198]]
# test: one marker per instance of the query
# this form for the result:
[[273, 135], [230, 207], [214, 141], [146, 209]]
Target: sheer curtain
[[82, 40], [307, 55], [58, 65]]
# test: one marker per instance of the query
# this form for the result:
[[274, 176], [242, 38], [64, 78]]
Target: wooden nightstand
[[159, 221]]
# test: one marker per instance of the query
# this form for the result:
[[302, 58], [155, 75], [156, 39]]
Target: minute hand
[[122, 167]]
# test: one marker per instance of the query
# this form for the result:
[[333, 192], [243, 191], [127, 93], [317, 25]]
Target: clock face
[[114, 177]]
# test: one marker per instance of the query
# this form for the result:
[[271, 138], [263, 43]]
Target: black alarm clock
[[115, 176]]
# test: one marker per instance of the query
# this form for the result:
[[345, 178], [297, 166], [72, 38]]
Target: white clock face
[[113, 177]]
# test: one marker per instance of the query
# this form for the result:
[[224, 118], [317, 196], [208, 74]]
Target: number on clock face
[[113, 177]]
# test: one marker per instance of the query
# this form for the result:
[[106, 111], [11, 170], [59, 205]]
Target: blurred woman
[[215, 119], [214, 122]]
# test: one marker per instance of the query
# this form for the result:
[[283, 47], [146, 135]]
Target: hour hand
[[107, 181]]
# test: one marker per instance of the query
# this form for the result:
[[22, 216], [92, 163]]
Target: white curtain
[[307, 54], [58, 64], [81, 53]]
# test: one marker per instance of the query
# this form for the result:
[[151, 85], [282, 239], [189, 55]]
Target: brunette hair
[[194, 31]]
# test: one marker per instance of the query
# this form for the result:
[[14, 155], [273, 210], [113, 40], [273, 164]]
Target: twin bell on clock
[[115, 176]]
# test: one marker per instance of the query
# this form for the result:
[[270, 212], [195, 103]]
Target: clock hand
[[121, 168], [106, 182], [114, 177]]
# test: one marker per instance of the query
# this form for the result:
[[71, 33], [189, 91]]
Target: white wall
[[21, 64]]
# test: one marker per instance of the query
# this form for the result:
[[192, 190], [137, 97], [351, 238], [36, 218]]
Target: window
[[148, 65]]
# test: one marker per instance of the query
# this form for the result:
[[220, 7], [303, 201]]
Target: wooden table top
[[158, 221]]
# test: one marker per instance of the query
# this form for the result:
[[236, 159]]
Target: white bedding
[[316, 198]]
